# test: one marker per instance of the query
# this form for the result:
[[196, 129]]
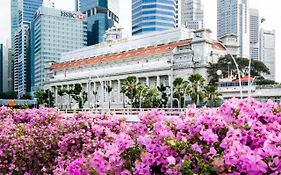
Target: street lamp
[[141, 97], [228, 69], [171, 62], [219, 73], [186, 88], [239, 76], [102, 89], [250, 61]]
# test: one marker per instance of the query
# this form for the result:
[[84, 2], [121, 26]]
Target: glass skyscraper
[[53, 32], [254, 33], [233, 19], [99, 19], [14, 28], [153, 15], [22, 14], [1, 66], [192, 14]]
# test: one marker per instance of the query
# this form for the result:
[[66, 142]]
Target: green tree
[[141, 95], [41, 96], [180, 89], [8, 95], [50, 98], [152, 98], [45, 97], [129, 89], [224, 63], [164, 96], [212, 95], [262, 81], [197, 83], [78, 95], [26, 97]]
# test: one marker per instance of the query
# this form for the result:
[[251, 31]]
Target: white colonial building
[[154, 58]]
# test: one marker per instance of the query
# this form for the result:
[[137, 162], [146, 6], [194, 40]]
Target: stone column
[[56, 96], [68, 96], [88, 93], [158, 81], [147, 81], [95, 95], [118, 91], [170, 81], [109, 94]]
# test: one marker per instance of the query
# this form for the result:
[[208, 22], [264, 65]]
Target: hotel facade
[[154, 58]]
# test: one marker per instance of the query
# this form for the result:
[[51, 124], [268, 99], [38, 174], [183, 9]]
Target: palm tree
[[212, 95], [45, 97], [180, 89], [78, 95], [41, 96], [129, 89], [164, 96], [197, 85], [152, 98]]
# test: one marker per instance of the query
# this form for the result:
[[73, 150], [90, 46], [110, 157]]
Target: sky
[[269, 9]]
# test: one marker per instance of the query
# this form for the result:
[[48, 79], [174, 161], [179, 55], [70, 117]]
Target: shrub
[[239, 137]]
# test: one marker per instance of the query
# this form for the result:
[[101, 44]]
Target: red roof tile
[[126, 54]]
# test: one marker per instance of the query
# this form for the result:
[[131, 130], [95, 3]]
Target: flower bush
[[239, 137]]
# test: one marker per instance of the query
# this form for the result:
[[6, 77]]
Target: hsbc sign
[[74, 15]]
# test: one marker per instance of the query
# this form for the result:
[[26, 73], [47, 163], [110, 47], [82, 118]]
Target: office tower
[[267, 51], [233, 19], [4, 67], [254, 33], [99, 19], [113, 6], [53, 32], [14, 28], [76, 5], [48, 3], [153, 15], [16, 63], [2, 58], [10, 70], [192, 14], [23, 12]]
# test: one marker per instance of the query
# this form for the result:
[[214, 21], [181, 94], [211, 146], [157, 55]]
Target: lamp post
[[141, 97], [228, 69], [250, 62], [102, 89], [184, 103], [171, 62], [239, 76]]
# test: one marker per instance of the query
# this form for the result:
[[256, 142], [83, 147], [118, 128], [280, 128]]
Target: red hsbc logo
[[79, 16]]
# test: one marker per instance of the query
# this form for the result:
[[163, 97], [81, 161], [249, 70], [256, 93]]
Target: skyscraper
[[14, 28], [2, 58], [153, 15], [26, 10], [192, 14], [254, 33], [99, 19], [53, 32], [77, 5], [267, 51], [233, 19]]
